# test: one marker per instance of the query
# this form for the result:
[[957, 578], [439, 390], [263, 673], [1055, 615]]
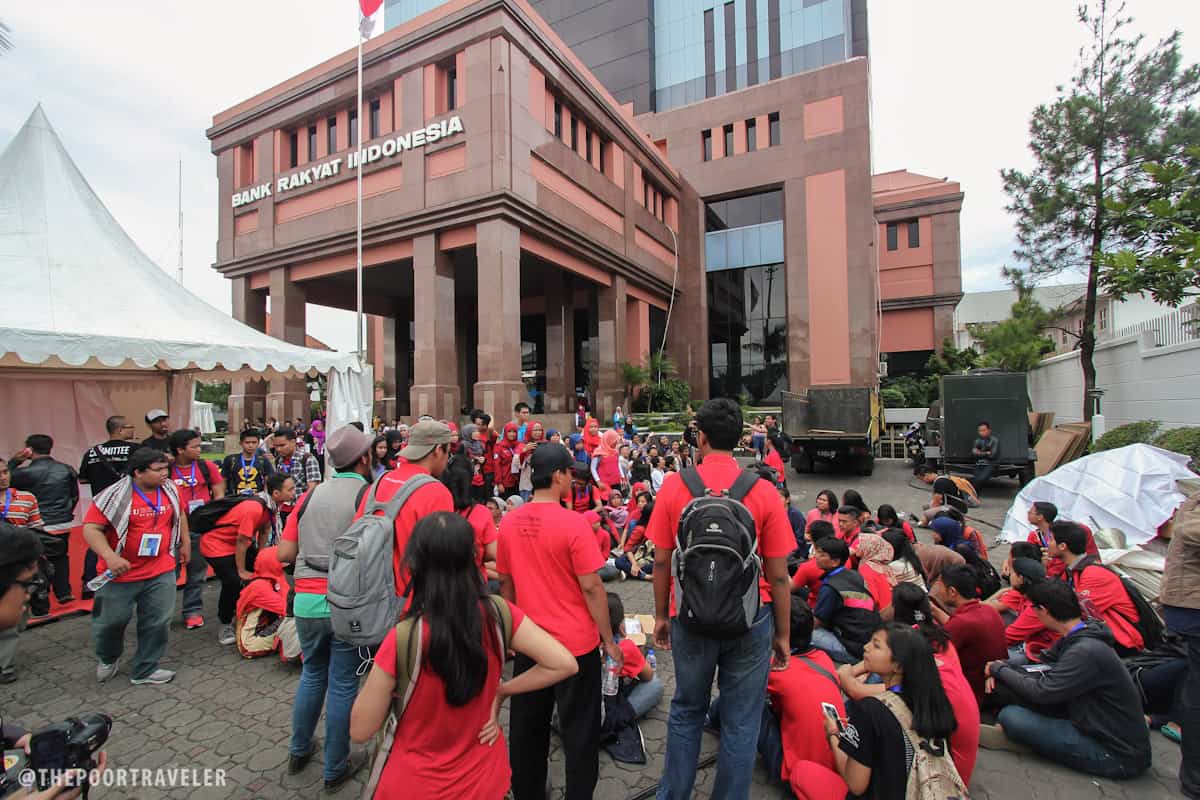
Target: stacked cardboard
[[1061, 444], [1040, 422]]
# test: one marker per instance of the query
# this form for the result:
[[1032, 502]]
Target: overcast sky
[[131, 86]]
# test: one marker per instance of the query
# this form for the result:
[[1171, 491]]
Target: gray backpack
[[363, 604]]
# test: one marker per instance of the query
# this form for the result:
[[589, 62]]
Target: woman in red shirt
[[448, 742], [457, 478], [508, 450]]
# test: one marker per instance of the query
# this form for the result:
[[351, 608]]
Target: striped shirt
[[20, 509]]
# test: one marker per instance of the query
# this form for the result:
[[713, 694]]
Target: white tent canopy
[[84, 295]]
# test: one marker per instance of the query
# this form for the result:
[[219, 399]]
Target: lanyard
[[190, 480], [7, 503], [281, 468], [1080, 626], [154, 505], [247, 467]]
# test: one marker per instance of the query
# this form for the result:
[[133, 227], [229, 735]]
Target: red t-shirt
[[603, 541], [878, 585], [1057, 567], [436, 753], [1102, 594], [978, 634], [635, 538], [244, 519], [584, 498], [796, 695], [193, 489], [719, 471], [145, 519], [544, 548], [480, 520], [774, 460], [964, 742], [1029, 629], [635, 662], [428, 499], [808, 574]]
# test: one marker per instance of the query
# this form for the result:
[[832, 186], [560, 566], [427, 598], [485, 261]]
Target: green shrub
[[1131, 433], [1182, 440], [672, 395], [892, 397]]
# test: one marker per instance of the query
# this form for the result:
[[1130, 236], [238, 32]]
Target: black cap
[[547, 459]]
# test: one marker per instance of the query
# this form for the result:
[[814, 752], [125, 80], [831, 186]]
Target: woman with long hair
[[872, 754], [448, 743], [886, 516], [379, 457], [457, 478], [395, 441], [906, 565], [826, 508]]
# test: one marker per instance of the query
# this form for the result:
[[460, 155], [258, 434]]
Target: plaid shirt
[[303, 469]]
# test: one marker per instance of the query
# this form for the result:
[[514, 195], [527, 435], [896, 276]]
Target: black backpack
[[1148, 623], [716, 565], [206, 517]]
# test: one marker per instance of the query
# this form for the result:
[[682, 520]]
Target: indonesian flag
[[369, 7]]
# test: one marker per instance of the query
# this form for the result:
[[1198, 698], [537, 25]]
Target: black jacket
[[1087, 677], [53, 483]]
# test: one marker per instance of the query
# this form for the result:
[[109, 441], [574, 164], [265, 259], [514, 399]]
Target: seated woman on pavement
[[906, 565], [1008, 601], [887, 518], [645, 689], [1027, 637], [874, 556]]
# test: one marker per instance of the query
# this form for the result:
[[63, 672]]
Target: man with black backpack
[[1101, 591], [722, 539]]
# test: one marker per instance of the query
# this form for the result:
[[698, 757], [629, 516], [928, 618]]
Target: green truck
[[1001, 398], [835, 425]]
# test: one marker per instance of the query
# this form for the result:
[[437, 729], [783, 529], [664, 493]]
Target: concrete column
[[498, 255], [637, 338], [435, 389], [288, 397], [247, 397], [611, 345], [560, 343]]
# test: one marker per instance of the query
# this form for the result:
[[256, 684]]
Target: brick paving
[[223, 712]]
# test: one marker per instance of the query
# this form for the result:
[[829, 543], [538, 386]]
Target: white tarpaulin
[[202, 417], [89, 297], [351, 397], [1130, 488]]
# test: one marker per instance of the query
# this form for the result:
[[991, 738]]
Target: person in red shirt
[[1027, 630], [849, 524], [1101, 593], [583, 495], [427, 453], [976, 630], [506, 453], [1042, 516], [647, 689], [199, 481], [775, 461], [449, 743], [697, 658], [808, 574], [135, 527], [234, 539], [457, 478], [547, 559]]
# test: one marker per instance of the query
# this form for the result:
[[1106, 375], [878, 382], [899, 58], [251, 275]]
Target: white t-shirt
[[656, 479]]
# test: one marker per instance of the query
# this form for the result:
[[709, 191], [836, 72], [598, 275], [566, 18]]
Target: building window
[[914, 233], [738, 212], [575, 133], [1102, 318], [373, 109], [893, 236], [293, 149], [558, 133], [331, 135], [727, 135], [451, 88], [775, 133], [587, 145], [603, 148], [747, 332], [312, 142], [751, 135], [353, 128], [706, 142], [245, 164]]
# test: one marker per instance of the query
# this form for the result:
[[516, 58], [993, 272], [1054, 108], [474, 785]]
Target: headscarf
[[529, 429], [591, 440], [473, 447], [550, 433], [270, 593], [514, 502], [507, 444], [317, 431], [949, 530], [876, 553], [609, 443]]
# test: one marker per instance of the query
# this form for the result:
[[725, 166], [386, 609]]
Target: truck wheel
[[1027, 474], [801, 463]]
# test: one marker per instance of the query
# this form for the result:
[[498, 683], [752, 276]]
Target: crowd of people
[[855, 656]]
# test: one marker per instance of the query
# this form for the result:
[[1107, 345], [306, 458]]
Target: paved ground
[[227, 713]]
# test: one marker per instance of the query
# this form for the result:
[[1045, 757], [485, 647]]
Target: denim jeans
[[770, 740], [741, 667], [1061, 742], [983, 473], [827, 640], [154, 599], [330, 678], [644, 697], [193, 590]]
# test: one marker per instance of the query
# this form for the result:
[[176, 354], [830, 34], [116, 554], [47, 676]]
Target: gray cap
[[423, 437], [155, 413], [346, 445]]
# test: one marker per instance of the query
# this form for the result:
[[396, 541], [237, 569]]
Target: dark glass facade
[[747, 332]]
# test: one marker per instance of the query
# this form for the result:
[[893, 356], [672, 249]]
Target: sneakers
[[226, 636], [106, 671], [354, 763], [298, 763], [193, 622], [992, 737], [158, 676]]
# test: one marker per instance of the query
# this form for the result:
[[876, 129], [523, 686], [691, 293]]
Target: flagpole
[[358, 262]]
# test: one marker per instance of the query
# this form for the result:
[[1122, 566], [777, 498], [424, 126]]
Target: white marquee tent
[[91, 326]]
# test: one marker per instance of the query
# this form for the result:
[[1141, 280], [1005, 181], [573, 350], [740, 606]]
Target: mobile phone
[[831, 711]]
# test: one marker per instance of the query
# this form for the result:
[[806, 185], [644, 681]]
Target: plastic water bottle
[[651, 660], [611, 678], [95, 583]]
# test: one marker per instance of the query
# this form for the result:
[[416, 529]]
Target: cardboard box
[[639, 628]]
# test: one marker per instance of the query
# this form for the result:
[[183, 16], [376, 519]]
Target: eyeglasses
[[33, 584]]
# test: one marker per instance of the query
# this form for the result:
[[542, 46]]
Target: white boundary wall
[[1140, 381]]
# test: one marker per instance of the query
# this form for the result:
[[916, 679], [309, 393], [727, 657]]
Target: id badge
[[194, 504], [149, 545]]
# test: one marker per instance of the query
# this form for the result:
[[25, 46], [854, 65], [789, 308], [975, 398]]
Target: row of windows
[[774, 136], [739, 212], [583, 140], [654, 199], [893, 234]]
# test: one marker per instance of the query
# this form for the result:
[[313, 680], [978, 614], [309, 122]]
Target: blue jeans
[[741, 667], [329, 678], [193, 590], [1061, 742], [827, 640], [154, 599], [644, 697], [1186, 622], [770, 740]]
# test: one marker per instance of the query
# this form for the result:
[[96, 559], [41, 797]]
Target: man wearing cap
[[160, 431], [547, 560], [427, 451], [322, 514]]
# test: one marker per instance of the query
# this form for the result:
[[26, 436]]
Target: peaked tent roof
[[80, 289]]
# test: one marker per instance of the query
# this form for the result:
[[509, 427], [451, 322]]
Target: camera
[[68, 745]]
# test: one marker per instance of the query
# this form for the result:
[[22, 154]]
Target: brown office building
[[535, 190]]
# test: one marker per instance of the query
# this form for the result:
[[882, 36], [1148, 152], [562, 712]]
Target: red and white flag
[[369, 7]]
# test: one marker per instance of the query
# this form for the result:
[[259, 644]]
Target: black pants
[[1189, 719], [578, 700], [90, 562], [61, 580], [225, 568]]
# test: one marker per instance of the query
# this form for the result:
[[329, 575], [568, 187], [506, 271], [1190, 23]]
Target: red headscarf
[[609, 443], [269, 589], [591, 440]]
